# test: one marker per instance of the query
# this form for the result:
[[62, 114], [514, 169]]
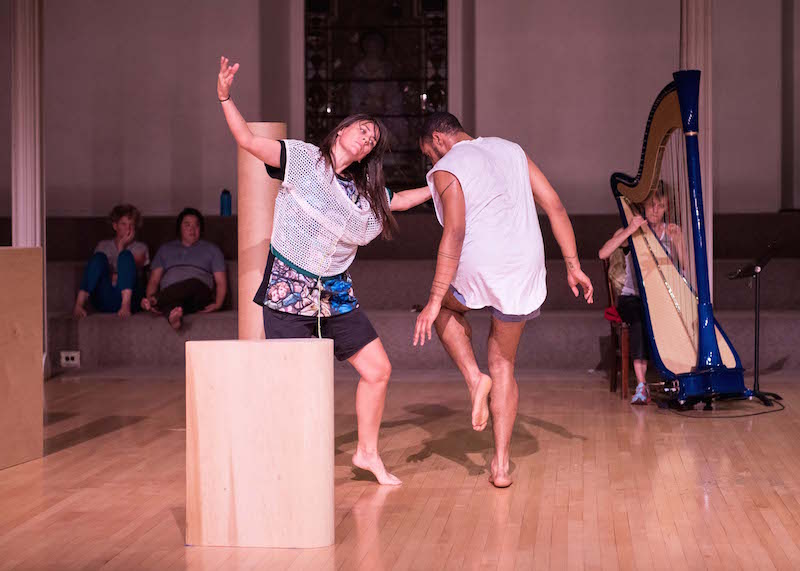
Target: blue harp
[[687, 344]]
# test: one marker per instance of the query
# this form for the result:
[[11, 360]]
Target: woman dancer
[[332, 200]]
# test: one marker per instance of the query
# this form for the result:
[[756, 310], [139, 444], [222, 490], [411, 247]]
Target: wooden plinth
[[259, 443], [21, 332]]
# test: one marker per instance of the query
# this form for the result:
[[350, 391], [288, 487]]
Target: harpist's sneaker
[[642, 394]]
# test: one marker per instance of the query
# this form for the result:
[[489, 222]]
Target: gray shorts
[[496, 312]]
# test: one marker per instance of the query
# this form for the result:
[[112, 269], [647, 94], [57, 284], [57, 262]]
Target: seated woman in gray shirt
[[111, 278], [187, 275]]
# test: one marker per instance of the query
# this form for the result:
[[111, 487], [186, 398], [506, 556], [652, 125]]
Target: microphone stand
[[753, 271]]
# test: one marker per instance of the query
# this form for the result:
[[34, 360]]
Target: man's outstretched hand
[[575, 278], [425, 322]]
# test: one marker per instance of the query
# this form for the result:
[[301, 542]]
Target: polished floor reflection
[[598, 484]]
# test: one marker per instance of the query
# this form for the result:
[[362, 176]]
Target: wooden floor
[[598, 484]]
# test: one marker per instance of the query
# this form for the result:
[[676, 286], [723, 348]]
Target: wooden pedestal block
[[259, 443], [21, 334]]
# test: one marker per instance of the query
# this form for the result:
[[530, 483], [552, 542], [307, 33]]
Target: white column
[[696, 54], [461, 61], [27, 189], [795, 78], [27, 198], [455, 58], [297, 71]]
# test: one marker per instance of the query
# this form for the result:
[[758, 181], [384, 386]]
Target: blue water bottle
[[225, 202]]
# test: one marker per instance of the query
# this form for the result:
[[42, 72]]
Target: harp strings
[[677, 237]]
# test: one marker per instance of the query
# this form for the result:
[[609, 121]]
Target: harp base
[[719, 382]]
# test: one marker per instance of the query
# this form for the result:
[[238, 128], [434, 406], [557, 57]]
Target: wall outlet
[[70, 359]]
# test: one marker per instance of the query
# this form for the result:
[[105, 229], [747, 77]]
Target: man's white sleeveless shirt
[[502, 260]]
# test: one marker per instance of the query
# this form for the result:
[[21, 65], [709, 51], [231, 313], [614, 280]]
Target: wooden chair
[[619, 348]]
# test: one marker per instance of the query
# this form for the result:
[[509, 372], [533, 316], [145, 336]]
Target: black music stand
[[753, 271]]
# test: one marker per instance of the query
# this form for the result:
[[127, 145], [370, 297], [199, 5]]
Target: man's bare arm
[[449, 190], [406, 199], [546, 197]]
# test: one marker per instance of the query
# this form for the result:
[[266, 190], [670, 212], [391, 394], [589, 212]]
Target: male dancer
[[491, 255]]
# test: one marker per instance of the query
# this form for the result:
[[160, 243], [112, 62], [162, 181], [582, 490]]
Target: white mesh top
[[317, 227]]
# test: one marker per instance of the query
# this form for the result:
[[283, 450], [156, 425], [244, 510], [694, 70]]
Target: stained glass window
[[384, 58]]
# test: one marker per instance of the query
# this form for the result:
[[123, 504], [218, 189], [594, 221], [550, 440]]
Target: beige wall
[[131, 115], [573, 83], [5, 108], [130, 101], [796, 161], [747, 105]]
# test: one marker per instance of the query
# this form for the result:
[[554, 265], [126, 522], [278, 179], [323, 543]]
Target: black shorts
[[351, 331]]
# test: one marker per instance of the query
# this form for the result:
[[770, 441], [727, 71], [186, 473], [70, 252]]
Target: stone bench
[[555, 340], [400, 284]]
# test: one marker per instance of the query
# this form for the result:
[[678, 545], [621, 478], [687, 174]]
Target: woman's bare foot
[[480, 403], [373, 463], [175, 318], [80, 305], [498, 475]]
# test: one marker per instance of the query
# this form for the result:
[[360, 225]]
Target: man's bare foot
[[480, 403], [79, 311], [175, 318], [124, 311], [373, 463], [498, 475]]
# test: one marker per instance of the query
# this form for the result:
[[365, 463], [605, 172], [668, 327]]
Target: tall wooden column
[[256, 205]]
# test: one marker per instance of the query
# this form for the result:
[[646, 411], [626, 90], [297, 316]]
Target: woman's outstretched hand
[[225, 77]]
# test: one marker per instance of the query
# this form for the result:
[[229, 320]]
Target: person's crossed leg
[[495, 394], [455, 333]]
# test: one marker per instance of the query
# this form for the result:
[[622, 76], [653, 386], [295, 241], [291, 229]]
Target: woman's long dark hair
[[368, 174]]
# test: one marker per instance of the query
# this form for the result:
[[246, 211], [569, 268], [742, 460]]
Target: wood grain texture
[[255, 208], [259, 443], [598, 484], [21, 379]]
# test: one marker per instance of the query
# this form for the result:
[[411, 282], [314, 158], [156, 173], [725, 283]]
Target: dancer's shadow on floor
[[556, 429], [462, 445], [423, 414]]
